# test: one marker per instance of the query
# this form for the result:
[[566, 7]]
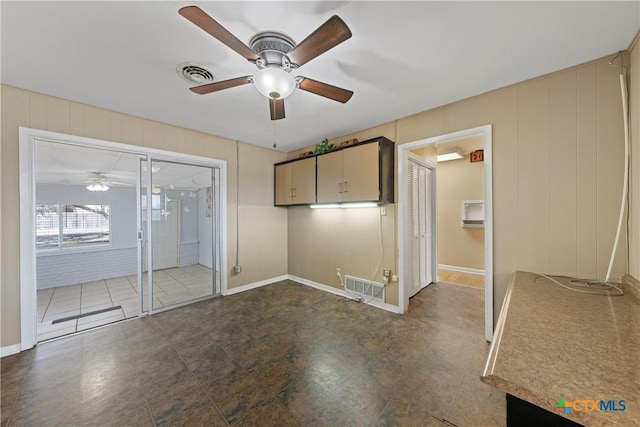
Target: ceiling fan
[[276, 56], [100, 181]]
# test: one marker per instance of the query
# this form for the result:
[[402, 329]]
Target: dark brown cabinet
[[361, 172]]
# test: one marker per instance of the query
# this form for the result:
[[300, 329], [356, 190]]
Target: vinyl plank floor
[[281, 355]]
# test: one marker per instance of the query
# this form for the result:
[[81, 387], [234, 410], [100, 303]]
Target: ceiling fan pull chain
[[274, 134]]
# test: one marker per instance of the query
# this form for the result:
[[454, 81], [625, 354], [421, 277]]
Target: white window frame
[[84, 247]]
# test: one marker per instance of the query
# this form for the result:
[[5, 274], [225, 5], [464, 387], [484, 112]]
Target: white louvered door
[[419, 235]]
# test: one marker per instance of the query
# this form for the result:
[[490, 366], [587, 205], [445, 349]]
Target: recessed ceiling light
[[453, 154]]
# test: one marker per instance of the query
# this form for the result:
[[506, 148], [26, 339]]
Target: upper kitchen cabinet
[[358, 173], [295, 182]]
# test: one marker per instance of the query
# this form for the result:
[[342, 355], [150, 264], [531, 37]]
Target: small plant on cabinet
[[324, 147]]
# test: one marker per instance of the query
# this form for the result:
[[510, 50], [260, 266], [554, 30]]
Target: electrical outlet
[[237, 269], [386, 273], [394, 278]]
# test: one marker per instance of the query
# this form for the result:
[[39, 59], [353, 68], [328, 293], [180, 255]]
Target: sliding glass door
[[179, 225]]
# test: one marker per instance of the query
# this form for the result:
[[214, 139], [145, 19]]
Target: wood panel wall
[[557, 174], [263, 227]]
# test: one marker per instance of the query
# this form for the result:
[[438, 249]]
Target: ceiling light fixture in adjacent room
[[97, 186], [452, 154]]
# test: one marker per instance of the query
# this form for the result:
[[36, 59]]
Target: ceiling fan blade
[[330, 34], [211, 26], [276, 107], [324, 89], [224, 84]]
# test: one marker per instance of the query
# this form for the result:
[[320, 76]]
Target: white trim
[[336, 291], [27, 139], [223, 230], [495, 345], [255, 285], [402, 158], [9, 350], [461, 269], [28, 291], [422, 161]]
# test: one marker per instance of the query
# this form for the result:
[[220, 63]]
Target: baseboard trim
[[461, 269], [10, 349], [389, 307], [254, 285]]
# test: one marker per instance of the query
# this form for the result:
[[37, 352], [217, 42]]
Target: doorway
[[404, 225], [87, 258], [179, 232], [460, 212], [165, 229]]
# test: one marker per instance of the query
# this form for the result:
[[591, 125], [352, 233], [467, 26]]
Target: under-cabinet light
[[359, 205], [328, 206], [345, 205]]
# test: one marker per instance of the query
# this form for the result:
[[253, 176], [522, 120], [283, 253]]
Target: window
[[156, 206], [65, 226]]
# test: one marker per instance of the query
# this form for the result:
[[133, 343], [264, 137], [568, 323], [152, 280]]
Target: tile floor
[[280, 355], [171, 286]]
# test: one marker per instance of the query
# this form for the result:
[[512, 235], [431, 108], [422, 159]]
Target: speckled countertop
[[551, 342]]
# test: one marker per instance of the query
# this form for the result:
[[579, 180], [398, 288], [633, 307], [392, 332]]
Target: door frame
[[431, 213], [403, 151], [27, 185]]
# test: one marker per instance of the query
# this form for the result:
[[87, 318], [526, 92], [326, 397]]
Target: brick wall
[[188, 254], [70, 268]]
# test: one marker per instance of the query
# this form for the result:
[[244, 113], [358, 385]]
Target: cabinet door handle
[[346, 189], [340, 187], [291, 192], [294, 191]]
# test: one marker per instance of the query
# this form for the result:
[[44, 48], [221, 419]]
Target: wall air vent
[[194, 73], [364, 289]]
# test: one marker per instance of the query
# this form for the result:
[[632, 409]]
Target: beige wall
[[350, 239], [634, 108], [557, 174], [458, 180], [263, 228]]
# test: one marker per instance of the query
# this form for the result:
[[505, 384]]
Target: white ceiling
[[403, 58], [73, 165]]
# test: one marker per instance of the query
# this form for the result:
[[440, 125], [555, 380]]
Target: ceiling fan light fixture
[[274, 83], [97, 186]]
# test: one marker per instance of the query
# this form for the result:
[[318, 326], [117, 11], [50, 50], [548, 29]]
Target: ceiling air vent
[[194, 73]]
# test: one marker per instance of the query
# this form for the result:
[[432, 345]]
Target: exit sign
[[477, 156]]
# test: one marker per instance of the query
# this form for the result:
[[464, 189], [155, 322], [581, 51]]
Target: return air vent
[[365, 289]]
